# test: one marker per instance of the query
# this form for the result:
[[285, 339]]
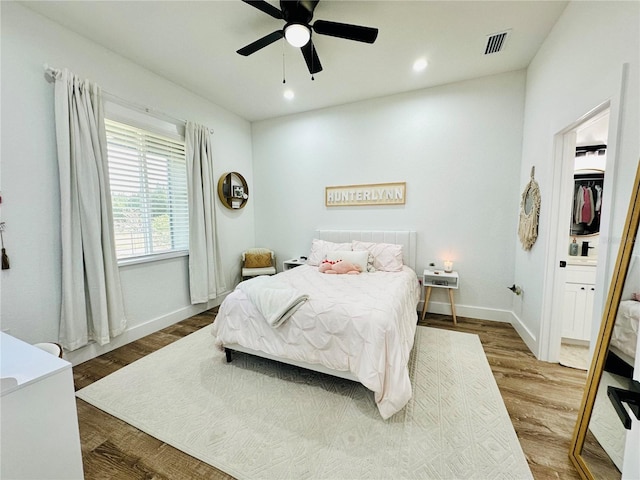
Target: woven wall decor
[[529, 213]]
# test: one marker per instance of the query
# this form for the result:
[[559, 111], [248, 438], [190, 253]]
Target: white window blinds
[[148, 178]]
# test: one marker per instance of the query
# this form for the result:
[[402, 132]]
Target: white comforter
[[625, 329], [364, 324]]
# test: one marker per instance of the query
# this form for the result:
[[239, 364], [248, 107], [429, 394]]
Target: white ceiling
[[194, 43]]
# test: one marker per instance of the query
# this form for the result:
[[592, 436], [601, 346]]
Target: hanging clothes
[[579, 202], [587, 203], [587, 208], [598, 190]]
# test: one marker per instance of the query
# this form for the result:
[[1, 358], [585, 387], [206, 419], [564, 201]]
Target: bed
[[359, 327], [624, 338]]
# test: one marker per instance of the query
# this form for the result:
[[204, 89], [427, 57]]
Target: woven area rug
[[255, 418]]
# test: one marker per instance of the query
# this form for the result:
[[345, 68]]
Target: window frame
[[143, 119]]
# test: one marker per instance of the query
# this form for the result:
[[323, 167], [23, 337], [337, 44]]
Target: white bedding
[[625, 330], [363, 324]]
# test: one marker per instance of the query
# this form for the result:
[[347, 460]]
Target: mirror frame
[[594, 376], [226, 179]]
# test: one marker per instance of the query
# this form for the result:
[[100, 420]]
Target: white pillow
[[320, 249], [387, 257], [357, 258]]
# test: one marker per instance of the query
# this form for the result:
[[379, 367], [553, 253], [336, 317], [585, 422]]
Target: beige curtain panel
[[92, 306], [206, 278]]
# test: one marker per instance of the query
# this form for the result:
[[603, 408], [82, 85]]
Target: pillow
[[320, 249], [387, 257], [357, 258], [257, 260]]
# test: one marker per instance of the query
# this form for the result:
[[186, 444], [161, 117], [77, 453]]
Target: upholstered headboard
[[405, 238]]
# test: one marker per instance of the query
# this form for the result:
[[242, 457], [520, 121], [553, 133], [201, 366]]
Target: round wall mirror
[[528, 202], [233, 190]]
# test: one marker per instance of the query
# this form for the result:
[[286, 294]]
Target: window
[[148, 178]]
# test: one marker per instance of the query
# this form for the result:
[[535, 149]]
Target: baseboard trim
[[527, 336], [482, 313], [136, 332]]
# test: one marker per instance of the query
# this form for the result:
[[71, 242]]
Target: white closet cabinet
[[579, 294]]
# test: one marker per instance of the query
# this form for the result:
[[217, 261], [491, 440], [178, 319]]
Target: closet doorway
[[581, 204], [582, 241]]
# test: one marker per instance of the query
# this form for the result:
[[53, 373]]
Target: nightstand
[[293, 263], [440, 279]]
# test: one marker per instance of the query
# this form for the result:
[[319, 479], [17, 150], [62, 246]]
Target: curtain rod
[[52, 73]]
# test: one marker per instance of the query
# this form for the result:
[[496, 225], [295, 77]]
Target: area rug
[[258, 419], [575, 356]]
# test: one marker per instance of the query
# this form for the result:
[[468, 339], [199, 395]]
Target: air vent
[[495, 42]]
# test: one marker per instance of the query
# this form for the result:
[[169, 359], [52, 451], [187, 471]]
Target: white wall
[[458, 148], [156, 294], [578, 68]]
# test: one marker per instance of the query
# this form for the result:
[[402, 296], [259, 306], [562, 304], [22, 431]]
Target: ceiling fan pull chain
[[313, 48], [283, 68]]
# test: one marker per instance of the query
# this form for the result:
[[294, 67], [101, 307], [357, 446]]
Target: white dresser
[[39, 423]]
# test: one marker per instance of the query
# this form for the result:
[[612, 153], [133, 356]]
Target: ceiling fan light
[[297, 35]]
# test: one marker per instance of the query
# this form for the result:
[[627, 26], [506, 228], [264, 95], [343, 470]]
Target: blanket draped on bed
[[275, 300]]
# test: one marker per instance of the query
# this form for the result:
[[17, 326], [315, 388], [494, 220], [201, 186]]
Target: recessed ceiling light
[[419, 65], [288, 94]]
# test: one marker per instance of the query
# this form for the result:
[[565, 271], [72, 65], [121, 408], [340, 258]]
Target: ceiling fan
[[297, 30]]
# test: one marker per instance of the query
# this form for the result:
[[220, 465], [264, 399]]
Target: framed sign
[[368, 194]]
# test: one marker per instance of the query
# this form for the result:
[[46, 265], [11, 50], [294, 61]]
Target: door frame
[[560, 205]]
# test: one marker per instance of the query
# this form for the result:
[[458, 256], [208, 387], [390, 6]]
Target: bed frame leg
[[227, 352]]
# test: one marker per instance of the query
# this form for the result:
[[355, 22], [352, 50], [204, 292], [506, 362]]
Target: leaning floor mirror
[[606, 440]]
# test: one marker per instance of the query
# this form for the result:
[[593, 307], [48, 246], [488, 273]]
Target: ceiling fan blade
[[265, 7], [346, 30], [261, 43], [311, 57]]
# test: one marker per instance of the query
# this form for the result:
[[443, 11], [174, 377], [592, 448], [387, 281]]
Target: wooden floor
[[542, 400]]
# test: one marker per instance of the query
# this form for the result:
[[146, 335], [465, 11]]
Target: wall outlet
[[517, 289]]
